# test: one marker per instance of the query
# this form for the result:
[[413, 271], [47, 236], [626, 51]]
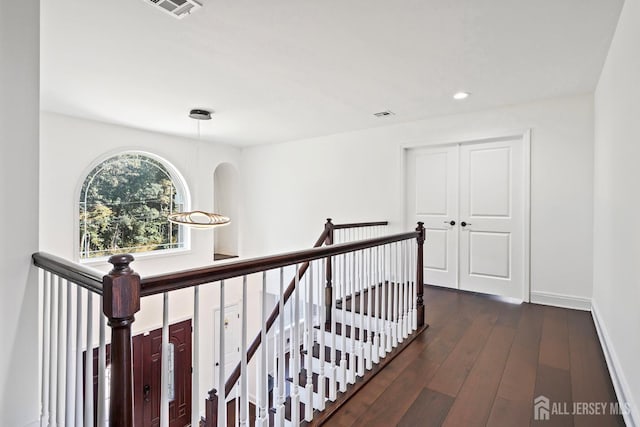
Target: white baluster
[[352, 323], [262, 420], [321, 283], [102, 368], [71, 368], [195, 360], [222, 393], [53, 352], [396, 297], [244, 374], [389, 296], [370, 289], [343, 329], [164, 366], [294, 368], [79, 395], [375, 351], [88, 376], [274, 353], [360, 331], [407, 296], [308, 407], [333, 372], [281, 336], [62, 353], [46, 347], [401, 291], [290, 372]]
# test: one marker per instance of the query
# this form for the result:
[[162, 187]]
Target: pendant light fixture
[[199, 219]]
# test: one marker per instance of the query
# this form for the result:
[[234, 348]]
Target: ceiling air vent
[[384, 113], [176, 8]]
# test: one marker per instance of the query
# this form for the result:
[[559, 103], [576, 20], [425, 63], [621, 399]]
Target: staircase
[[344, 352]]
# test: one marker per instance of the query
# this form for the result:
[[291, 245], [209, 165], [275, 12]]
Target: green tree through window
[[124, 203]]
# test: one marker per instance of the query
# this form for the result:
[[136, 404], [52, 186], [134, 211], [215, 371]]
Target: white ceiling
[[278, 70]]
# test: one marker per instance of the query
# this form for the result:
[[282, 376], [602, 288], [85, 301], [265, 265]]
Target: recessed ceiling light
[[460, 95]]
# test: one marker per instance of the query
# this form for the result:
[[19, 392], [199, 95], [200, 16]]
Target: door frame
[[525, 136]]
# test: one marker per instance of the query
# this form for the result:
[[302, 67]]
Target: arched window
[[124, 203]]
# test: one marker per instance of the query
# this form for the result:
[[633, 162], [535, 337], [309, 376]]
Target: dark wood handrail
[[80, 275], [188, 278], [360, 224]]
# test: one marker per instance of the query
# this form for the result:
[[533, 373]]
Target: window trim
[[178, 180]]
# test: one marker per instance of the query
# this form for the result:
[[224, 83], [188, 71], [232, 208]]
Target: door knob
[[464, 224], [451, 223]]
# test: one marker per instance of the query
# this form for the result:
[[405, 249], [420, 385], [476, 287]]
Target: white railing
[[347, 306], [69, 318]]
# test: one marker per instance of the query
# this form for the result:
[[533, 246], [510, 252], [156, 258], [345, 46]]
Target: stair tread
[[355, 302], [347, 330]]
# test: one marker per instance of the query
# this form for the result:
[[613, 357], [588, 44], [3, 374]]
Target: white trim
[[620, 385], [561, 300], [526, 220], [525, 135]]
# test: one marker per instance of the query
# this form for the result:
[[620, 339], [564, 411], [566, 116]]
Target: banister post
[[211, 409], [420, 275], [121, 300], [328, 290]]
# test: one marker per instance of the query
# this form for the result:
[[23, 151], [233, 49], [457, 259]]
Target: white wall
[[289, 189], [616, 292], [19, 105]]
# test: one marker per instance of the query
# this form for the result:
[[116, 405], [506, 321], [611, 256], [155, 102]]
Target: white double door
[[471, 199]]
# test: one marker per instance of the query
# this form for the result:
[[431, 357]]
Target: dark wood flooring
[[482, 362]]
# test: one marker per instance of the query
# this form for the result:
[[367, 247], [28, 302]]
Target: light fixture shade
[[199, 219]]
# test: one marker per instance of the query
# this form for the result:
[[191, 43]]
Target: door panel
[[491, 192], [432, 186], [180, 375], [147, 357], [489, 181], [492, 254]]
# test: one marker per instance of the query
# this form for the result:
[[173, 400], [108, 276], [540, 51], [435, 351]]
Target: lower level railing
[[337, 311]]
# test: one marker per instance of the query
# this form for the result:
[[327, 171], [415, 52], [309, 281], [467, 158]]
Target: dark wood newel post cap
[[121, 263], [420, 229], [121, 286]]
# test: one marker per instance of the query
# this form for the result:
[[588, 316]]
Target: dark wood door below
[[179, 376], [147, 376]]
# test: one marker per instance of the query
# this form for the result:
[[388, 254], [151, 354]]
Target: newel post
[[121, 300], [328, 290], [420, 274], [211, 409]]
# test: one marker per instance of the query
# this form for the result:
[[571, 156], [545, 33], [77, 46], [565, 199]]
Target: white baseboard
[[631, 419], [560, 300]]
